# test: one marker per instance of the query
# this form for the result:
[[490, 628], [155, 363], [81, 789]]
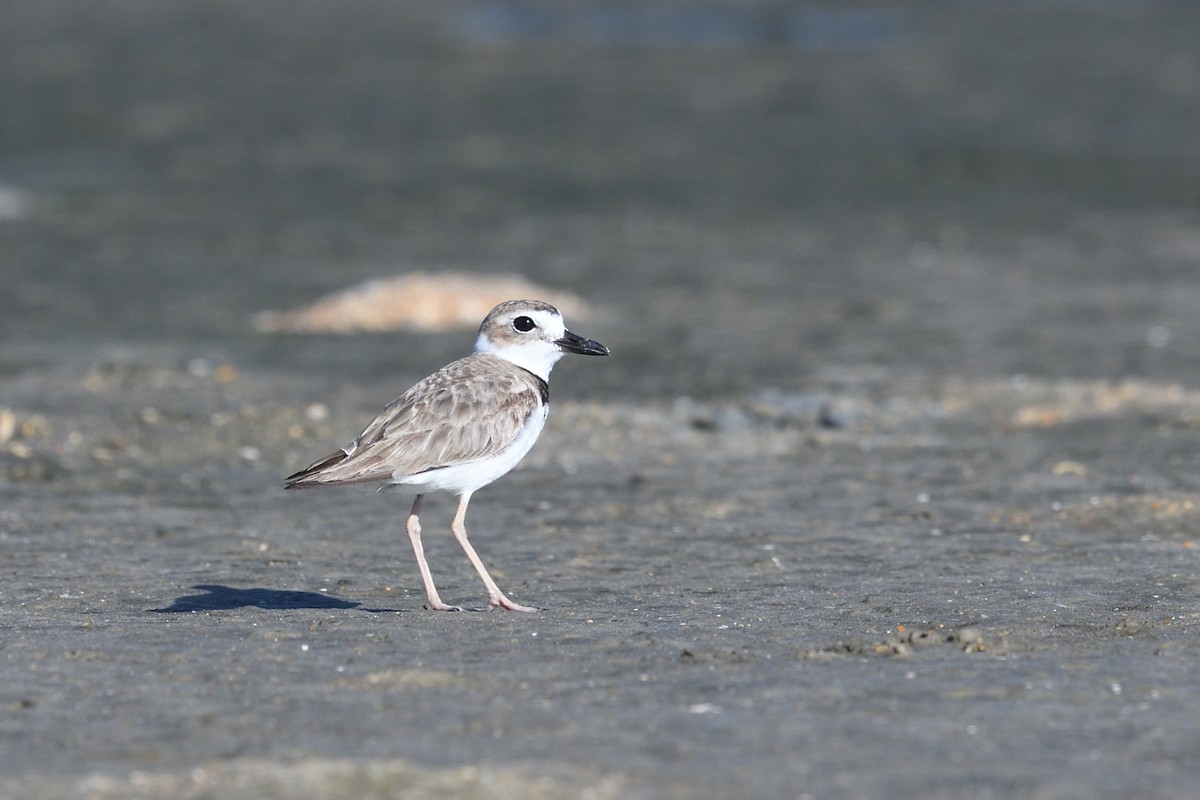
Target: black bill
[[574, 343]]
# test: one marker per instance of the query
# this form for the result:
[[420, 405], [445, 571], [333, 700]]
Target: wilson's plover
[[462, 427]]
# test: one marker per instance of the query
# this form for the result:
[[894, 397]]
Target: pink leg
[[496, 598], [413, 527]]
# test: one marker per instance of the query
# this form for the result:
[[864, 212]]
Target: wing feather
[[468, 410]]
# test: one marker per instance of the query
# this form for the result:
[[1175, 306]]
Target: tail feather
[[308, 476]]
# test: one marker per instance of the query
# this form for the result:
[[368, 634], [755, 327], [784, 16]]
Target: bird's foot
[[440, 606], [507, 605]]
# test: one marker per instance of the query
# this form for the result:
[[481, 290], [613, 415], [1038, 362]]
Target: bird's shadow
[[226, 598]]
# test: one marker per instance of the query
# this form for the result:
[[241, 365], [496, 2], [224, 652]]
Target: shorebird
[[462, 427]]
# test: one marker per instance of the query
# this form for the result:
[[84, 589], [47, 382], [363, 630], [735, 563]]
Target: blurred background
[[889, 489], [743, 191]]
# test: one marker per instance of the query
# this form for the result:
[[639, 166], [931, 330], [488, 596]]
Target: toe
[[442, 607], [508, 605]]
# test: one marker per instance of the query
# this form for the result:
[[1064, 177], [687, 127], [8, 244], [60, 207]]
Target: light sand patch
[[419, 301]]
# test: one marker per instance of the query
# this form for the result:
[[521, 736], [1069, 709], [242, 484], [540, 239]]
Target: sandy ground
[[889, 489]]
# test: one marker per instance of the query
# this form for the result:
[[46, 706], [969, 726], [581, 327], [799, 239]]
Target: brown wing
[[467, 410]]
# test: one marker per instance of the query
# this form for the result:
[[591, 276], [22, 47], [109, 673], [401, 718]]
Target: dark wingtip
[[298, 480]]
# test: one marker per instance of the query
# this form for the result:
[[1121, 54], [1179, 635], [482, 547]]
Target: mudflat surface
[[890, 488]]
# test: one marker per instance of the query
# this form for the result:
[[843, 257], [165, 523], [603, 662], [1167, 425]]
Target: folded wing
[[466, 411]]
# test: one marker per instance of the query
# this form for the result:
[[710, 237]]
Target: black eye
[[524, 324]]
